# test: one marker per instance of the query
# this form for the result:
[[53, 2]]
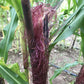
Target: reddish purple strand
[[39, 60]]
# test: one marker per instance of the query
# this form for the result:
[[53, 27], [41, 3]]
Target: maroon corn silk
[[39, 58]]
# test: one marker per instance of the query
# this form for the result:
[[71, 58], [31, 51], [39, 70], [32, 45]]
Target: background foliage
[[11, 13]]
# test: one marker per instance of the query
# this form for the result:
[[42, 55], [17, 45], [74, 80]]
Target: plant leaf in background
[[10, 76], [69, 2], [82, 42], [13, 67], [5, 7], [9, 31], [71, 28], [68, 30], [68, 20], [82, 39], [53, 2], [18, 7], [58, 71], [82, 29], [80, 2], [75, 5]]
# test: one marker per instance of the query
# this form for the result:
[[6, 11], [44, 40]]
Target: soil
[[60, 55], [61, 58]]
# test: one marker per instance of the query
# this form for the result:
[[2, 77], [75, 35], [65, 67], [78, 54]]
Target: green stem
[[24, 50], [27, 75]]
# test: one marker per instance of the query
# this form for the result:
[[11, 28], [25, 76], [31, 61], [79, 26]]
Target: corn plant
[[34, 34]]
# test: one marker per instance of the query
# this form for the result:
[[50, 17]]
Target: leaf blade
[[9, 31], [10, 76]]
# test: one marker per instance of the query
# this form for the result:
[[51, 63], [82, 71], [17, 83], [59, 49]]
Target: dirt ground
[[60, 55]]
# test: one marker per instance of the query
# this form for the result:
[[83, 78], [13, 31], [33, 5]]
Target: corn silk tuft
[[39, 57]]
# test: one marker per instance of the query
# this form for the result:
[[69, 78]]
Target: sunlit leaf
[[10, 76], [75, 4], [5, 7], [18, 7], [15, 68], [69, 2]]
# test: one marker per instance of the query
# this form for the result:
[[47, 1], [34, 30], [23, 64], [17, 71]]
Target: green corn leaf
[[58, 71], [15, 68], [9, 31], [75, 5], [82, 43], [71, 28], [66, 31], [18, 7], [77, 34], [9, 1], [11, 76], [68, 20], [80, 2], [82, 38], [69, 2]]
